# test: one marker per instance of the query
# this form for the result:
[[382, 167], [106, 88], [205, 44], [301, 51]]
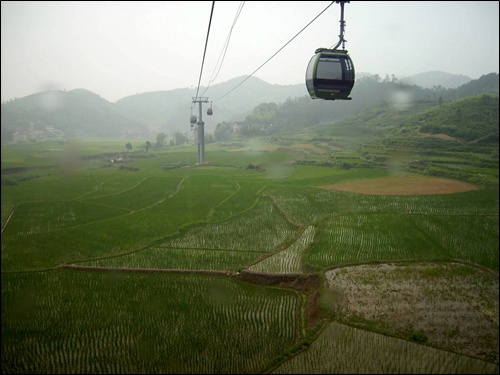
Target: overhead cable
[[205, 51], [224, 50], [314, 19]]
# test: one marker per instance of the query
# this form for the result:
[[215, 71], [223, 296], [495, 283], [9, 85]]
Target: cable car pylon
[[200, 131]]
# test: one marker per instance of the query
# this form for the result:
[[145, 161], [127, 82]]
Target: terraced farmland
[[218, 269]]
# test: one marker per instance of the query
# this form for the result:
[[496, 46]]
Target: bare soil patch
[[448, 305], [402, 184]]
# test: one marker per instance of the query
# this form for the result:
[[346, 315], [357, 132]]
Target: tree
[[180, 139], [209, 138], [128, 146], [148, 145], [160, 140], [223, 132]]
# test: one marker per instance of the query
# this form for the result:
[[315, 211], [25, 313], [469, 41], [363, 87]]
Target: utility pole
[[200, 134]]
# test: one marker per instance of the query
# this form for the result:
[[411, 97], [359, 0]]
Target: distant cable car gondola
[[330, 73]]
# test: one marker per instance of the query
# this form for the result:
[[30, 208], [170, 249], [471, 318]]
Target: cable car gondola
[[330, 72], [330, 75]]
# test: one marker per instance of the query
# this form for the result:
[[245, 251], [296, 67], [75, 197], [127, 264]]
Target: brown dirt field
[[402, 184], [454, 305]]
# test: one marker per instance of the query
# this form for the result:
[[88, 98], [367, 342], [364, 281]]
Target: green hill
[[254, 104], [77, 113]]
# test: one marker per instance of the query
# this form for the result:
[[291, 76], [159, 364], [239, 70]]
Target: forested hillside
[[372, 101], [257, 106], [473, 119]]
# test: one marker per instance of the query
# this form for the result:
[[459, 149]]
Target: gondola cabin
[[330, 75]]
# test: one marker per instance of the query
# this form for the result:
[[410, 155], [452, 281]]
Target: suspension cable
[[205, 51], [224, 50], [314, 19]]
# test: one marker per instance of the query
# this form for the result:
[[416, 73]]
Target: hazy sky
[[121, 48]]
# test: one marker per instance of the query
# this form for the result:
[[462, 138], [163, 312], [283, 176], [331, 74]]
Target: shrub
[[418, 337]]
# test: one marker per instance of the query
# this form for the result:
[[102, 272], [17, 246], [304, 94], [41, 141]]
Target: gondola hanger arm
[[342, 26]]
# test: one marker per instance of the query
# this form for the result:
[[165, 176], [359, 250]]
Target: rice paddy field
[[154, 264]]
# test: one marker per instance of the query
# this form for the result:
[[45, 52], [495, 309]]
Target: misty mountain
[[81, 113], [436, 79], [170, 111], [371, 99], [486, 84], [77, 113], [231, 101]]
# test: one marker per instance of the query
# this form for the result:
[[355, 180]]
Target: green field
[[138, 265]]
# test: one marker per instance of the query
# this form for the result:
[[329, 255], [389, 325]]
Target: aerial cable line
[[205, 51], [228, 38], [255, 71], [223, 52]]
